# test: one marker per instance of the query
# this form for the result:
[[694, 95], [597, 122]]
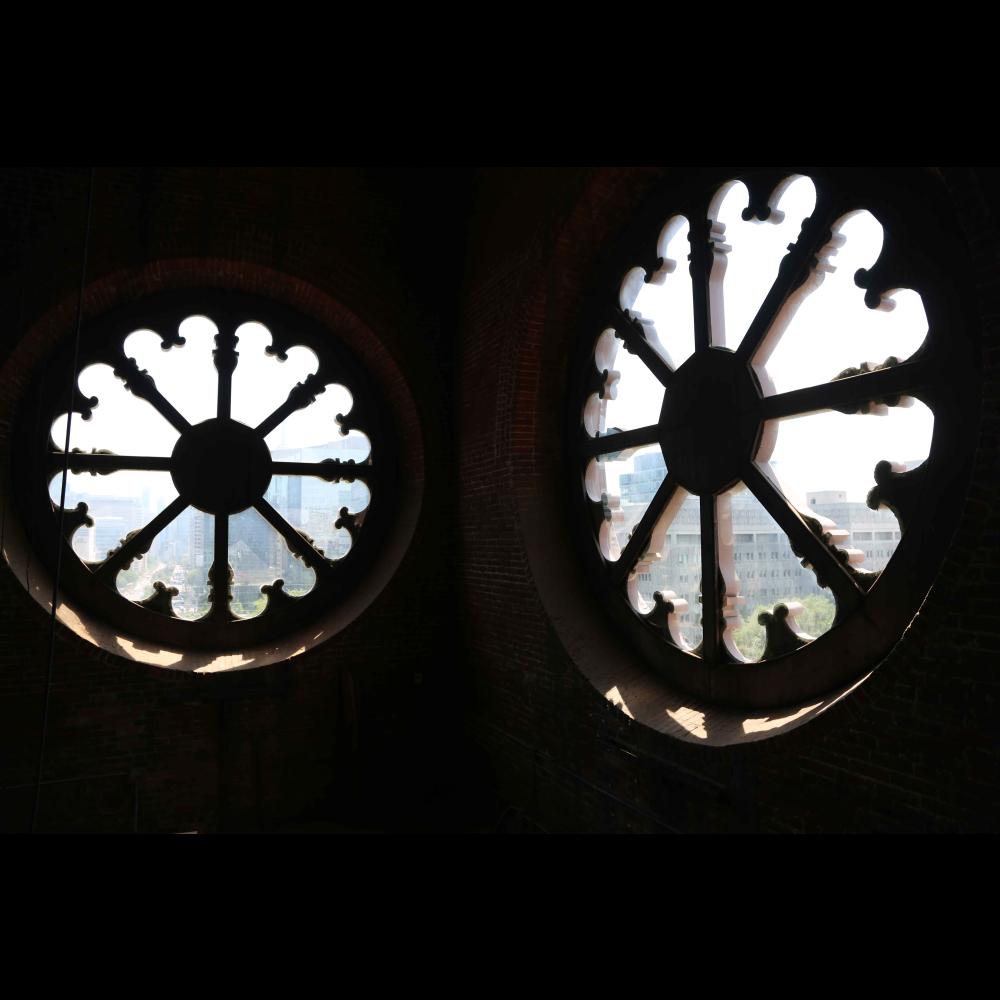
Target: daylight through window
[[756, 413], [222, 470]]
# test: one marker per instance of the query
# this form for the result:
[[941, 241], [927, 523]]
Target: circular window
[[772, 430], [229, 473]]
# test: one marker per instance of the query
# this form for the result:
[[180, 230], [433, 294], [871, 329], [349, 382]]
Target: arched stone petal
[[262, 380], [316, 433], [756, 248], [184, 373], [831, 328], [117, 503], [314, 506], [671, 568], [179, 557], [120, 421]]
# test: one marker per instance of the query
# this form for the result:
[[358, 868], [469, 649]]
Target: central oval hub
[[710, 421], [221, 466]]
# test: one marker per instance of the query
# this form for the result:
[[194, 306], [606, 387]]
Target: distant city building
[[311, 503], [766, 567], [257, 553], [114, 518]]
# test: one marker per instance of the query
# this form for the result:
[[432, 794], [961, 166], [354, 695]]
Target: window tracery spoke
[[642, 532], [140, 383], [709, 580], [101, 462], [301, 395], [220, 576], [852, 393], [136, 543], [631, 333], [296, 541], [793, 271], [702, 258], [333, 470], [830, 571], [225, 357], [621, 441], [742, 494], [186, 467]]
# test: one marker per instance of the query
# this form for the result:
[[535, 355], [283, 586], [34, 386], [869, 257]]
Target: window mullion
[[710, 617], [225, 357], [300, 396], [630, 331], [138, 543], [806, 544], [639, 541], [220, 576], [141, 384], [332, 470], [102, 462], [621, 441], [702, 258], [294, 539], [851, 393], [794, 270]]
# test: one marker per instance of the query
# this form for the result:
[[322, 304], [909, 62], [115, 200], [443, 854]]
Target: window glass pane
[[314, 433], [633, 396], [261, 382], [624, 483], [186, 373], [769, 573], [313, 506], [119, 502], [120, 422], [259, 556], [825, 463], [666, 300], [180, 556], [757, 249], [673, 567], [831, 329]]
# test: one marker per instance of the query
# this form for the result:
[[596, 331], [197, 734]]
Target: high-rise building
[[767, 569]]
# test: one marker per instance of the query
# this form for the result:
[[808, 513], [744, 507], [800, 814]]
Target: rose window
[[228, 474], [773, 431]]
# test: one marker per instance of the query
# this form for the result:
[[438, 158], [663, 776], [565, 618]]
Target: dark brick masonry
[[451, 703]]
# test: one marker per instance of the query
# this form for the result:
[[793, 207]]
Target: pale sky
[[832, 330], [187, 377]]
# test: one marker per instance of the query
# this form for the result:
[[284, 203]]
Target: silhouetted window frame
[[36, 457], [923, 250]]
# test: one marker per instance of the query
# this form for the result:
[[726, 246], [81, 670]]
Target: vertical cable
[[62, 500], [24, 267]]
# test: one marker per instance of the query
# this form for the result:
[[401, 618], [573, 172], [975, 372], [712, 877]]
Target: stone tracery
[[716, 424]]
